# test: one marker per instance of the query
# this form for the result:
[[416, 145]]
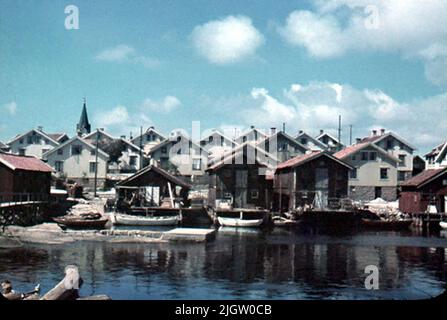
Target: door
[[240, 197], [321, 187]]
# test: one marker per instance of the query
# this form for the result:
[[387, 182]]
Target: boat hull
[[81, 224], [234, 222], [128, 220], [443, 225]]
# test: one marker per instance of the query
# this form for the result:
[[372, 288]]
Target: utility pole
[[141, 147], [350, 134], [96, 163], [339, 132]]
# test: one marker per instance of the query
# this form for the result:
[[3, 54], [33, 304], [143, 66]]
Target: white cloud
[[10, 108], [317, 105], [412, 28], [126, 54], [116, 116], [165, 105], [228, 40]]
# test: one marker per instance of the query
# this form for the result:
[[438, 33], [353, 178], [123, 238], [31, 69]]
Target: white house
[[437, 157], [282, 146], [329, 141], [75, 160], [310, 142], [217, 144], [251, 135], [148, 139], [35, 143]]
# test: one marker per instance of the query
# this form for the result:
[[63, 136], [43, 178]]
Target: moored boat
[[387, 224], [79, 222], [237, 222], [284, 222], [443, 224], [131, 220]]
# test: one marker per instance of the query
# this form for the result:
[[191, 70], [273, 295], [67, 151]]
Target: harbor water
[[241, 264]]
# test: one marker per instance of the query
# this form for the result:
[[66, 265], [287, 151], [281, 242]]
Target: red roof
[[299, 160], [350, 150], [27, 163], [423, 177]]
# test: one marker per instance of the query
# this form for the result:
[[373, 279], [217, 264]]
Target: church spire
[[83, 127]]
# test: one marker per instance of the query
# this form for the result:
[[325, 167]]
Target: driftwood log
[[68, 288]]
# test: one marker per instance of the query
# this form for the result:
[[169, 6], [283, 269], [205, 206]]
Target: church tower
[[83, 127]]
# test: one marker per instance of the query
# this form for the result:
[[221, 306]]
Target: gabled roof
[[380, 137], [27, 163], [350, 150], [249, 131], [168, 141], [3, 146], [424, 177], [101, 132], [230, 155], [286, 136], [149, 130], [302, 159], [206, 137], [436, 150], [160, 171], [329, 135], [43, 134], [309, 137], [57, 136], [75, 138]]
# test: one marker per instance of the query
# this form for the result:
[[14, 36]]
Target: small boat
[[130, 220], [238, 222], [443, 224], [387, 224], [81, 222], [284, 222]]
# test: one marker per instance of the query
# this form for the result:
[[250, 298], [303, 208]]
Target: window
[[133, 160], [21, 141], [60, 151], [59, 166], [76, 150], [92, 152], [222, 141], [21, 152], [402, 159], [46, 141], [210, 139], [372, 156], [353, 157], [384, 173], [29, 140], [389, 144], [303, 141], [353, 173], [196, 164], [244, 139], [402, 175], [92, 167], [365, 155], [254, 194], [148, 137]]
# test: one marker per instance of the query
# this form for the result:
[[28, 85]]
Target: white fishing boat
[[443, 224], [129, 220], [237, 222]]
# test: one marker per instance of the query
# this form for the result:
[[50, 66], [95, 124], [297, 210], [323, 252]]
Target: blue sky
[[227, 64]]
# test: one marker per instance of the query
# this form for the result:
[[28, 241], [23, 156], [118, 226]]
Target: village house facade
[[315, 179], [35, 143], [24, 178], [437, 157], [242, 179], [148, 139], [124, 156], [398, 148], [179, 155], [374, 173], [217, 144], [283, 146], [76, 160], [251, 135]]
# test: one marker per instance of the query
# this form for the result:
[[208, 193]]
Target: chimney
[[252, 127], [374, 133], [152, 127], [358, 140], [273, 130], [321, 131], [40, 128], [300, 132], [382, 131], [123, 137]]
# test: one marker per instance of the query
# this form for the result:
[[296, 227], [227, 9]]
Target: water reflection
[[246, 265]]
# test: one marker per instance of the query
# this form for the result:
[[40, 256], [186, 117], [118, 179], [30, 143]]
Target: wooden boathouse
[[151, 187], [314, 179], [240, 179]]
